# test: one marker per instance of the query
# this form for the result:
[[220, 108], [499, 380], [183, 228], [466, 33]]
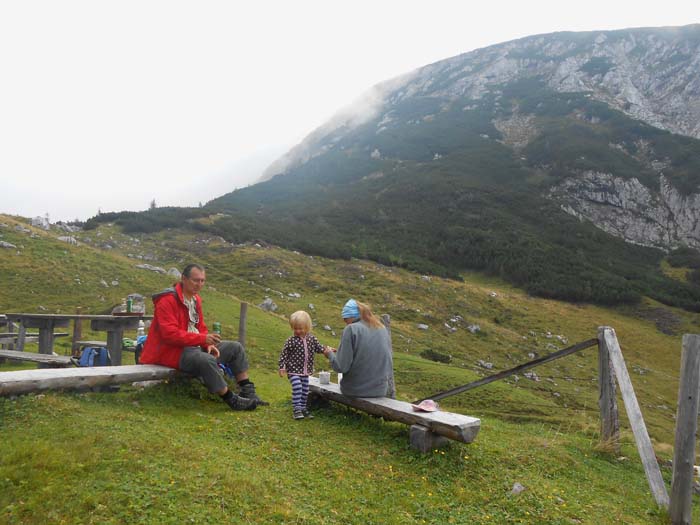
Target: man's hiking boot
[[298, 414], [248, 392], [241, 403]]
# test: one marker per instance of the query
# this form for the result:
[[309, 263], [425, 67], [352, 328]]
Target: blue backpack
[[94, 356]]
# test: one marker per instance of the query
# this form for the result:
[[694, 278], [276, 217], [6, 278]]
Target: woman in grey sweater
[[364, 354]]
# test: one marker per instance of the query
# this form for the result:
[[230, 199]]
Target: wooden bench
[[12, 338], [429, 430], [39, 380], [45, 359]]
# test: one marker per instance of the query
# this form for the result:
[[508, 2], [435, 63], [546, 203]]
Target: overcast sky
[[108, 105]]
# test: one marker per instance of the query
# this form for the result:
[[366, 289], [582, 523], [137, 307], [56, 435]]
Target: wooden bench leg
[[422, 439]]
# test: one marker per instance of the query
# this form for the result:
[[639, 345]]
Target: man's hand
[[328, 349], [211, 349], [282, 372], [212, 339]]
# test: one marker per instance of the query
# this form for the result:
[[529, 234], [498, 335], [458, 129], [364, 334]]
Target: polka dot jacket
[[298, 358]]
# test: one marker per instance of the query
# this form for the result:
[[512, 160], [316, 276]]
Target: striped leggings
[[300, 390]]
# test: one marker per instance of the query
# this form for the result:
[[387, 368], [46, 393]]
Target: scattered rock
[[69, 239], [474, 328], [311, 306], [156, 269], [425, 278], [42, 308], [104, 283], [532, 375], [268, 305], [327, 328], [296, 295], [145, 384], [175, 273], [22, 229], [493, 294], [531, 355], [484, 364], [450, 329], [115, 283], [517, 489], [422, 326], [4, 244]]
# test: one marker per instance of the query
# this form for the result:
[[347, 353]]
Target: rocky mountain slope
[[527, 160], [651, 75]]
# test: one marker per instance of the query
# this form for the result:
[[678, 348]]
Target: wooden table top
[[90, 317]]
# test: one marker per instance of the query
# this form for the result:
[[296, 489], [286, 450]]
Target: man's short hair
[[188, 269]]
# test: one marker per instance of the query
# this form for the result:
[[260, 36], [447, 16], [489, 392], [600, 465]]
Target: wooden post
[[686, 425], [242, 323], [21, 336], [386, 319], [77, 333], [46, 337], [10, 330], [607, 396], [114, 344], [634, 414]]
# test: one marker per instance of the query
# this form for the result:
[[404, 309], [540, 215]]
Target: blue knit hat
[[351, 310]]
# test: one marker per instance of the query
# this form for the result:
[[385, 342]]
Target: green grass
[[174, 454], [171, 454]]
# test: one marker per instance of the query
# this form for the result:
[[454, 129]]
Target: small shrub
[[433, 355]]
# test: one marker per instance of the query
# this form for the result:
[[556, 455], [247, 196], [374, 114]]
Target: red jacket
[[168, 333]]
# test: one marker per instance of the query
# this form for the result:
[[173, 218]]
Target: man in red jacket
[[178, 338]]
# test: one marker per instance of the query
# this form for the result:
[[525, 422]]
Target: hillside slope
[[509, 159], [174, 453]]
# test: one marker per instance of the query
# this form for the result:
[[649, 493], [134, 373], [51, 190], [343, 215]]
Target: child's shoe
[[307, 413], [298, 414]]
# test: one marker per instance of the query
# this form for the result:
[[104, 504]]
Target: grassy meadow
[[174, 454]]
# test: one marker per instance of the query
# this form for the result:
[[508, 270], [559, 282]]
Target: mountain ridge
[[471, 164], [500, 62]]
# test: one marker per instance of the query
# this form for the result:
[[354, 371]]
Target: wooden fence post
[[77, 333], [634, 414], [686, 425], [242, 322], [386, 320], [607, 396]]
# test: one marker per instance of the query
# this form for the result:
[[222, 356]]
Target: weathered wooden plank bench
[[28, 381], [429, 430], [45, 359], [10, 338]]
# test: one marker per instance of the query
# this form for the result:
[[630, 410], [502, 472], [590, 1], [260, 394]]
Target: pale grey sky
[[108, 105]]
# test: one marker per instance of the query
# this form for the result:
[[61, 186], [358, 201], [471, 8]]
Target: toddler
[[297, 361]]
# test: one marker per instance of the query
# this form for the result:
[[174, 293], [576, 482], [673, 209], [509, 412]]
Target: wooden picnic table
[[114, 325]]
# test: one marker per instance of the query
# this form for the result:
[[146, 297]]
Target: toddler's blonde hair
[[300, 319]]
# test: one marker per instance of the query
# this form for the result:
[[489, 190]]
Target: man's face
[[193, 284]]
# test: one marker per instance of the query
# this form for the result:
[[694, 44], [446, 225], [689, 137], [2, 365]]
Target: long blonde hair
[[368, 317]]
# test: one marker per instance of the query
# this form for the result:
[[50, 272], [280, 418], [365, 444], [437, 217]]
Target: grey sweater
[[364, 358]]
